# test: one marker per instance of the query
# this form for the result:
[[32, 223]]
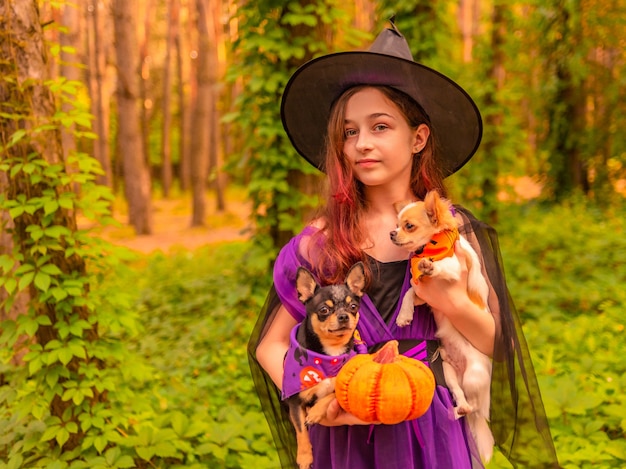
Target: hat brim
[[314, 87]]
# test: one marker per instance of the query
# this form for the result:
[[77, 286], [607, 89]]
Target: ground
[[172, 226]]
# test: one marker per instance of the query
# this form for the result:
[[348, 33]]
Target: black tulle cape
[[518, 419]]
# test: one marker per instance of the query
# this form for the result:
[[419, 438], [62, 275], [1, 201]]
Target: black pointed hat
[[314, 87]]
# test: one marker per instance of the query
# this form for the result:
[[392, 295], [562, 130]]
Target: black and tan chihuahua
[[319, 346]]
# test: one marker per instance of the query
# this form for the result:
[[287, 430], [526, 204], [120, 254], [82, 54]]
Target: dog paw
[[426, 267], [404, 319], [304, 462], [314, 415], [462, 410]]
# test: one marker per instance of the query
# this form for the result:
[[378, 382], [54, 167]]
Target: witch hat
[[314, 87]]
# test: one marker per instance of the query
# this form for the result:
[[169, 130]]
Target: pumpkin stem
[[388, 353]]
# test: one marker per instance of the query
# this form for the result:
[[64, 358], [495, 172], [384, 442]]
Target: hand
[[445, 295], [336, 416], [450, 298]]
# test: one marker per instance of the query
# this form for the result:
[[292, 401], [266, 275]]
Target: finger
[[458, 250], [333, 410]]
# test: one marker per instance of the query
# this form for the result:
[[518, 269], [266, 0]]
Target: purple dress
[[434, 441], [518, 420]]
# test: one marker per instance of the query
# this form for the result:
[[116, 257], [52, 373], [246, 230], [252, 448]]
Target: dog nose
[[342, 317], [393, 234]]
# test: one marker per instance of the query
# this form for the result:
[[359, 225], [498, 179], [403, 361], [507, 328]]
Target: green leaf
[[65, 355], [145, 453], [72, 427], [17, 136], [6, 263], [44, 320], [50, 269], [34, 365], [100, 442], [125, 462], [50, 433], [15, 462], [56, 231], [25, 280], [112, 454], [42, 281], [10, 285], [58, 293], [29, 326], [62, 436], [16, 211]]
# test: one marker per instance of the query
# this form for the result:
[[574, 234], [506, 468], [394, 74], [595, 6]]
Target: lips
[[367, 162]]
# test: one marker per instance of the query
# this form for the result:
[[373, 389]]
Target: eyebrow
[[375, 115]]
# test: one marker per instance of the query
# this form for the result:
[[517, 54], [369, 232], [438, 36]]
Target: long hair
[[346, 203]]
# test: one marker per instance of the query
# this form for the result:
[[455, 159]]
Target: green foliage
[[275, 38], [574, 92], [196, 326], [428, 27], [61, 353], [567, 270]]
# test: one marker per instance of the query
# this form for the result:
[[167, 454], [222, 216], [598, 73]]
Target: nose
[[393, 234], [363, 142], [342, 317]]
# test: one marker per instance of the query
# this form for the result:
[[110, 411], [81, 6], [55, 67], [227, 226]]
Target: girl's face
[[378, 142]]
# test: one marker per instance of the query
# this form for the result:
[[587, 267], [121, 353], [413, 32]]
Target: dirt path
[[172, 228]]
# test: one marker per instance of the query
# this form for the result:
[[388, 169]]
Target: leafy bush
[[565, 265], [187, 397], [566, 268], [198, 311]]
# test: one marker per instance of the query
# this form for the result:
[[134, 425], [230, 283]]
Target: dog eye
[[409, 227], [324, 311], [354, 307]]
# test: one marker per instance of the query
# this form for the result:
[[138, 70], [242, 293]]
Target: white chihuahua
[[429, 230]]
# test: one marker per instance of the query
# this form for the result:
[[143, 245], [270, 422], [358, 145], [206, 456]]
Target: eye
[[354, 307], [350, 133], [380, 127], [409, 226], [323, 311]]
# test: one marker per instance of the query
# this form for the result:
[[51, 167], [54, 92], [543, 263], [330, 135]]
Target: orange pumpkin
[[384, 386]]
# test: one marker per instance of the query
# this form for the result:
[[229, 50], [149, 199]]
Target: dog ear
[[305, 284], [355, 280], [438, 210], [431, 205], [398, 206]]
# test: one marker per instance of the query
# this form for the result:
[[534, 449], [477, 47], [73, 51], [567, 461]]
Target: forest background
[[119, 118]]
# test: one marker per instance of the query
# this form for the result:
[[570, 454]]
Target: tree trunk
[[469, 11], [215, 35], [201, 120], [567, 115], [166, 141], [305, 183], [136, 176], [69, 66], [494, 119], [10, 310], [146, 102], [186, 55], [31, 107], [185, 107], [96, 78]]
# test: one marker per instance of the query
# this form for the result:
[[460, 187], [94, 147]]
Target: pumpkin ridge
[[371, 397], [400, 388]]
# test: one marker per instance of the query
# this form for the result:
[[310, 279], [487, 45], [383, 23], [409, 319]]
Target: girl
[[391, 130]]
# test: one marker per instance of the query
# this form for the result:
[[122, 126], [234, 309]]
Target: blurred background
[[147, 185]]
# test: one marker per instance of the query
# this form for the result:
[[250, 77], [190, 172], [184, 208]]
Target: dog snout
[[343, 317], [393, 234]]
